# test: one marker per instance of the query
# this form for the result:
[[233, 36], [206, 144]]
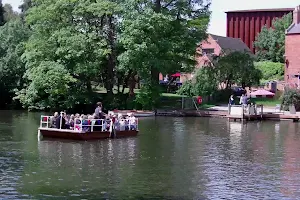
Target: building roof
[[263, 10], [229, 43], [293, 29]]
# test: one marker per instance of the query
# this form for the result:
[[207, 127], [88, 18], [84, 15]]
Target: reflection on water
[[172, 158]]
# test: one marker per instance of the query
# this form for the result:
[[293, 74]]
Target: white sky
[[219, 7]]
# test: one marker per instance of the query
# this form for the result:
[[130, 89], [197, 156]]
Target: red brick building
[[292, 51], [214, 45], [247, 24]]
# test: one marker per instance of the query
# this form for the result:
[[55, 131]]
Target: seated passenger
[[85, 124], [53, 120], [132, 122], [67, 125], [60, 122], [71, 121]]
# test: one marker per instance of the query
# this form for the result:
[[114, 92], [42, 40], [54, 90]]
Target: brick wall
[[292, 59]]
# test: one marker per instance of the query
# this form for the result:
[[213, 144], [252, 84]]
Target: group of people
[[244, 100], [98, 121]]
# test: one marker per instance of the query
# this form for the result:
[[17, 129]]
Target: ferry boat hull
[[129, 133], [75, 135]]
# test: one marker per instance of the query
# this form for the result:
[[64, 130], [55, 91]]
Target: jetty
[[236, 113], [256, 112]]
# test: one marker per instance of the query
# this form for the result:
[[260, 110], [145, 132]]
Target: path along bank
[[267, 113]]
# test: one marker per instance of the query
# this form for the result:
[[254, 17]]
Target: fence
[[179, 103]]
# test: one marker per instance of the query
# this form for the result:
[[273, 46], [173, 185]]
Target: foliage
[[270, 70], [71, 38], [270, 42], [204, 83], [74, 44], [2, 20], [9, 13], [12, 37], [291, 97], [237, 68], [49, 86], [160, 36], [148, 96]]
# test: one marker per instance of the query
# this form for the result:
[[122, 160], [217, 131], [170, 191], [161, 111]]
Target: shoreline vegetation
[[55, 56]]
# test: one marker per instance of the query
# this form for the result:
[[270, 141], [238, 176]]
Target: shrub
[[270, 70], [291, 97]]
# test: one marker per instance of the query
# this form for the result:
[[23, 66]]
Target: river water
[[172, 158]]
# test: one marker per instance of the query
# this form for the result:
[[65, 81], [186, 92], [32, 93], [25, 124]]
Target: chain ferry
[[87, 129]]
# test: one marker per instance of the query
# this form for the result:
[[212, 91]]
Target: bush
[[291, 97], [270, 70]]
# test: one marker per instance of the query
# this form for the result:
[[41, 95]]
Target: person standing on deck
[[231, 100], [98, 110]]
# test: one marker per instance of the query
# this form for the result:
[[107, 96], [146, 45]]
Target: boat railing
[[45, 120], [79, 126], [128, 122]]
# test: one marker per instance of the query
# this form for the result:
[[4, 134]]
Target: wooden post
[[182, 103], [229, 109]]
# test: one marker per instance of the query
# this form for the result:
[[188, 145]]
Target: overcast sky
[[219, 7]]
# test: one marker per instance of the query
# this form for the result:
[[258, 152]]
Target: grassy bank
[[267, 102]]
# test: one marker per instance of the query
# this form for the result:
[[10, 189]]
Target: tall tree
[[161, 36], [2, 20], [73, 38], [25, 6], [270, 42], [9, 13], [13, 36], [237, 68]]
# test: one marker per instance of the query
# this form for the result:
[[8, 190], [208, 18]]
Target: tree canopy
[[13, 36], [270, 70], [270, 43], [232, 68], [75, 46]]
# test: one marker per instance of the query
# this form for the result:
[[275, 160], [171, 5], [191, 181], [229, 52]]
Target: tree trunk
[[126, 79], [112, 56], [131, 84], [89, 86]]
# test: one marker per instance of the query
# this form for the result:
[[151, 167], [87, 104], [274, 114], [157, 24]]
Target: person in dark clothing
[[98, 111], [61, 119]]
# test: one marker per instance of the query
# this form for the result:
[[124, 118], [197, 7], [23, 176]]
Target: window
[[208, 51]]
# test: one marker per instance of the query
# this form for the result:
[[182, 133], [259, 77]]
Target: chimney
[[296, 15]]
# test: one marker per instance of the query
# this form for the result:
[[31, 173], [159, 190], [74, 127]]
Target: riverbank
[[269, 113]]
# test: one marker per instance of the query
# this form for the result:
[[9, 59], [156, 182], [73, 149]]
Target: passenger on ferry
[[67, 118], [98, 110], [117, 121], [71, 122], [85, 123], [60, 121], [53, 120], [132, 121]]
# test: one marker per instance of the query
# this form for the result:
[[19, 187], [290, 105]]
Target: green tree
[[160, 36], [13, 36], [25, 6], [270, 70], [2, 20], [9, 13], [237, 68], [74, 37], [270, 42], [205, 83]]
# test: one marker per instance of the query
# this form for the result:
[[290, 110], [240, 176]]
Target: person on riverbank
[[231, 100], [243, 100]]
